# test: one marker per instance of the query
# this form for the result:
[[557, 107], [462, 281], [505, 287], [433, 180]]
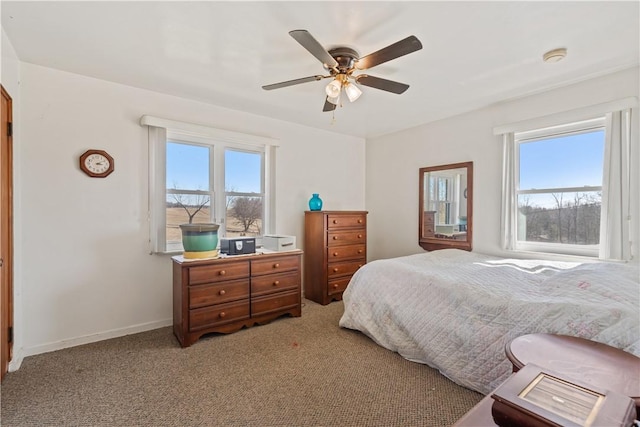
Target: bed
[[456, 310]]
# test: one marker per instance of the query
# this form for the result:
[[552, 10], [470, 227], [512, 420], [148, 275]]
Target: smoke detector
[[555, 55]]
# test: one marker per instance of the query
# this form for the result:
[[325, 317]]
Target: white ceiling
[[474, 53]]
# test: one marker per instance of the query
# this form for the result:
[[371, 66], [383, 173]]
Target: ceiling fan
[[341, 62]]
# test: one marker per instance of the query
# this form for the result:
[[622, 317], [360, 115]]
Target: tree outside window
[[560, 186]]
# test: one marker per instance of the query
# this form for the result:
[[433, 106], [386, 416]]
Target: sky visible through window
[[566, 161], [188, 168], [242, 171]]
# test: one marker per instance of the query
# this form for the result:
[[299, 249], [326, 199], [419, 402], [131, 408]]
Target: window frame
[[262, 193], [210, 191], [618, 232], [449, 203], [566, 129], [162, 131]]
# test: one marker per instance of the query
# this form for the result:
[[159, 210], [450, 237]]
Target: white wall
[[393, 162], [86, 271]]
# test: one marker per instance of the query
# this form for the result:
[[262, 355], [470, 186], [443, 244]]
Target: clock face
[[96, 163]]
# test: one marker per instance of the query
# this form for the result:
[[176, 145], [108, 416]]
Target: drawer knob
[[222, 314], [335, 221], [359, 265], [359, 236], [276, 283], [335, 254], [222, 292], [336, 269], [335, 237], [359, 221], [222, 272], [360, 251], [276, 265], [335, 286]]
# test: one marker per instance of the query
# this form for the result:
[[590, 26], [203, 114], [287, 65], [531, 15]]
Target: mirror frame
[[435, 243]]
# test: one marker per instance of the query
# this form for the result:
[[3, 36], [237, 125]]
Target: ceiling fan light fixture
[[353, 92], [335, 100], [333, 89]]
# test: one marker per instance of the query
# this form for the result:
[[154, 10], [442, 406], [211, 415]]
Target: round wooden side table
[[588, 361]]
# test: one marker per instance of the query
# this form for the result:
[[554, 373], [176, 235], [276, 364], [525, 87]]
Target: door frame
[[6, 233]]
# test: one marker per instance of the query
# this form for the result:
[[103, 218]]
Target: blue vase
[[315, 203]]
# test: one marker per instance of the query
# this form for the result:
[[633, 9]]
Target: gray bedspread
[[455, 310]]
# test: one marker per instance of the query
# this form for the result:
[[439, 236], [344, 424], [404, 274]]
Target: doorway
[[6, 234]]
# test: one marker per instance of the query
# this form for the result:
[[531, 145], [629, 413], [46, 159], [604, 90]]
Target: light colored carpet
[[303, 371]]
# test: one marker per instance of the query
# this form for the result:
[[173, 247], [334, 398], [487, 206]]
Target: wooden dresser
[[335, 247], [227, 294], [428, 224]]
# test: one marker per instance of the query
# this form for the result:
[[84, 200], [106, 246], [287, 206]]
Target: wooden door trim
[[6, 225]]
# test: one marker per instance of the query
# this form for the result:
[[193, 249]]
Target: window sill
[[168, 254], [585, 251], [549, 256]]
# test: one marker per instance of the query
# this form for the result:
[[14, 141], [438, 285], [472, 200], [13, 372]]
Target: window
[[443, 193], [244, 193], [567, 184], [189, 189], [559, 187], [202, 175]]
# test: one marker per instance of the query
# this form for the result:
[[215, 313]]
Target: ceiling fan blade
[[292, 82], [396, 50], [328, 106], [316, 49], [382, 84]]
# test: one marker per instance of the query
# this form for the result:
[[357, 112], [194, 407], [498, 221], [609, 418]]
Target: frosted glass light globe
[[334, 100], [353, 92], [333, 89]]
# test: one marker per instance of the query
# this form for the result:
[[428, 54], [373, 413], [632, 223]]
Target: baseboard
[[16, 360], [87, 339]]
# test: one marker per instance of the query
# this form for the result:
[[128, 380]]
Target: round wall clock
[[96, 163]]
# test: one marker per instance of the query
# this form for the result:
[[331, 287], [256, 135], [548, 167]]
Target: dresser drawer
[[338, 286], [339, 253], [220, 314], [218, 272], [269, 284], [272, 303], [428, 231], [337, 269], [335, 221], [346, 237], [275, 265], [203, 295]]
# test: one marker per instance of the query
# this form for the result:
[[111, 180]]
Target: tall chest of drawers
[[335, 247], [227, 294], [429, 224]]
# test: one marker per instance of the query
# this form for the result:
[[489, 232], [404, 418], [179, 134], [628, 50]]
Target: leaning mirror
[[446, 206]]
